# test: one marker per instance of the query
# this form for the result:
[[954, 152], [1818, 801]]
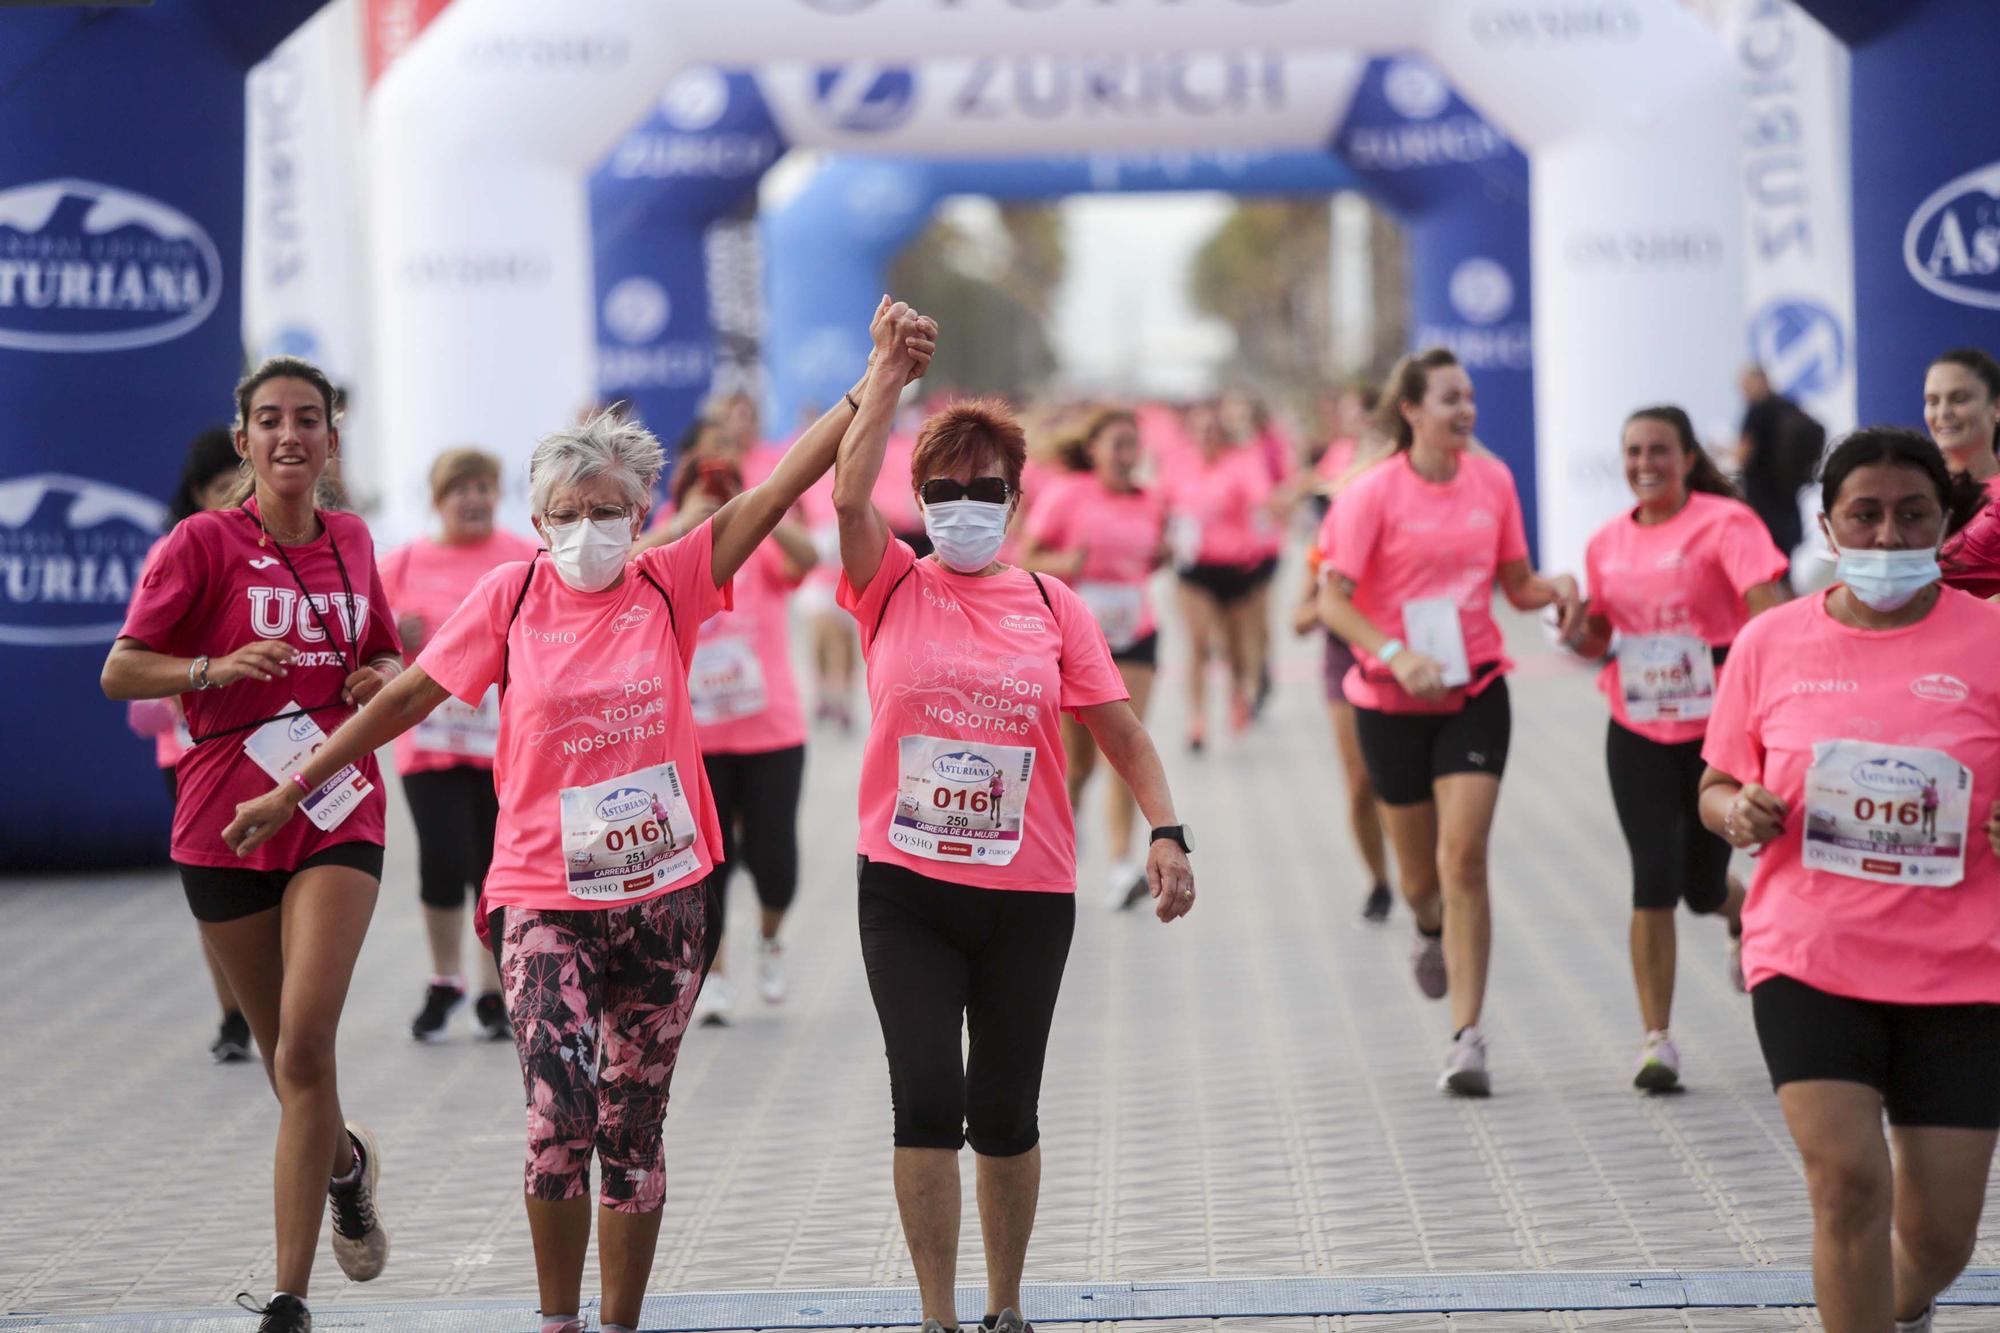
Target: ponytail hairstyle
[[1958, 494], [1704, 476], [1409, 380]]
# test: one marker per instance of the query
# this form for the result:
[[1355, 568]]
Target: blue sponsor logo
[[865, 99], [1952, 245], [625, 803], [1801, 346], [1891, 777], [302, 728], [92, 268], [70, 553], [963, 766]]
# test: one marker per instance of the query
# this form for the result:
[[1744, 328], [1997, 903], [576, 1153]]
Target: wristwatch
[[1174, 833]]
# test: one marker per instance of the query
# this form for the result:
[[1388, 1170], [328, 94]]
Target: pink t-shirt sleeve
[[463, 654], [1747, 554], [1513, 531], [1355, 525], [1089, 676], [1735, 743], [686, 570], [170, 589], [1049, 522], [866, 606]]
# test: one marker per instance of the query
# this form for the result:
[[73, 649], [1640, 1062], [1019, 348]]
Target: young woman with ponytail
[[1672, 580]]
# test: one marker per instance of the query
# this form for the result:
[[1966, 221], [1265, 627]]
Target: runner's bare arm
[[1343, 617], [795, 544], [1126, 746], [1742, 814], [864, 533], [1528, 591], [904, 341], [1764, 596], [1047, 560], [134, 671], [404, 702]]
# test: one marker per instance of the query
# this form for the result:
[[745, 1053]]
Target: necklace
[[279, 537]]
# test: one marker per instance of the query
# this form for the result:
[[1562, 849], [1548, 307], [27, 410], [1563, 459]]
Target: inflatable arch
[[1626, 109]]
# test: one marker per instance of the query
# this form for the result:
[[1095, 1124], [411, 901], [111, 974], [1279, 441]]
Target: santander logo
[[1940, 687]]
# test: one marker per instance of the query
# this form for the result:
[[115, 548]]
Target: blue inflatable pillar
[[696, 159], [1461, 190], [1926, 145], [121, 238]]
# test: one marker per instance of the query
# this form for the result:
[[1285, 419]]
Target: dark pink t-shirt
[[1401, 537], [967, 676], [1683, 578], [1798, 678], [596, 697], [211, 588], [428, 579]]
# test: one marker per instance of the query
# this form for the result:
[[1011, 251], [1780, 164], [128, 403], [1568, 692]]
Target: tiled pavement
[[1247, 1093]]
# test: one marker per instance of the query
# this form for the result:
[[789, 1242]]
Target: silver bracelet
[[198, 674]]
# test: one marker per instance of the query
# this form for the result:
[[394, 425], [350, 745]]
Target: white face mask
[[590, 554], [967, 534], [1888, 580]]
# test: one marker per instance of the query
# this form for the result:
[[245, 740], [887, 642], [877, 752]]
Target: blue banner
[[1461, 190], [1926, 189], [121, 221], [696, 159]]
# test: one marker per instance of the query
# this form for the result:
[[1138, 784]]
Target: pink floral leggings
[[599, 1000]]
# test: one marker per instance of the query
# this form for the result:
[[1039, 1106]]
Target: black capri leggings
[[454, 810], [1656, 789], [941, 956], [757, 804]]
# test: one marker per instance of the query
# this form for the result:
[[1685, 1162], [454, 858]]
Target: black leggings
[[454, 810], [757, 803], [1656, 788], [941, 956]]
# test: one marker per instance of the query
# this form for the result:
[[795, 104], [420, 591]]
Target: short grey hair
[[607, 445]]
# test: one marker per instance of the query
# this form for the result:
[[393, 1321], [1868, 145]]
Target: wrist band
[[198, 673], [1389, 651], [304, 786], [849, 396]]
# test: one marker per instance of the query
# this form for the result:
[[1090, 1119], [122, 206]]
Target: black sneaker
[[439, 1001], [1377, 906], [232, 1040], [491, 1012], [285, 1314]]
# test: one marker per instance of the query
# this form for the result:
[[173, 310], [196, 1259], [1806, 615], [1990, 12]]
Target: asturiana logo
[[625, 803], [1026, 624], [1891, 777], [86, 267], [1952, 245], [1943, 688], [302, 727], [963, 766], [70, 553]]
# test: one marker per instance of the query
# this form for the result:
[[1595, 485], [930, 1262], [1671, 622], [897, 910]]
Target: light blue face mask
[[1888, 580]]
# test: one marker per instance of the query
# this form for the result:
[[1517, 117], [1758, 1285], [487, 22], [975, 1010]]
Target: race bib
[[1119, 608], [1666, 677], [964, 801], [1432, 627], [628, 836], [459, 728], [281, 748], [1184, 540], [1895, 814], [725, 680]]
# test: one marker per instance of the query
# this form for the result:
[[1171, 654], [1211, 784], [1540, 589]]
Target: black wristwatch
[[1174, 833]]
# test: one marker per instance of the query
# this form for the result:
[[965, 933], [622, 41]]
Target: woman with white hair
[[607, 830]]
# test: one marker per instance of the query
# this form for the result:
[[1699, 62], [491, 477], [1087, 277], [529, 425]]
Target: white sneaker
[[360, 1245], [1736, 965], [1125, 887], [1659, 1064], [711, 1007], [1921, 1324], [1465, 1066], [771, 983]]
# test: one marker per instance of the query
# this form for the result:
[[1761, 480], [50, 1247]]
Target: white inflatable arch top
[[483, 133]]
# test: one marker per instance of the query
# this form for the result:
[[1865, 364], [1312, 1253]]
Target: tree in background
[[995, 297]]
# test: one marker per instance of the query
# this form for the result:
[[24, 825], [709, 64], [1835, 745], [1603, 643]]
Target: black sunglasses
[[986, 490]]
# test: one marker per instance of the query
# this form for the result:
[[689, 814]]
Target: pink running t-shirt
[[162, 716], [1119, 533], [1218, 507], [1971, 557], [741, 688], [211, 587], [973, 671], [1400, 538], [1798, 677], [596, 690], [1685, 577], [428, 579]]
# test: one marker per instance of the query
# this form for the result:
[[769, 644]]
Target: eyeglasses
[[986, 490], [562, 518]]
